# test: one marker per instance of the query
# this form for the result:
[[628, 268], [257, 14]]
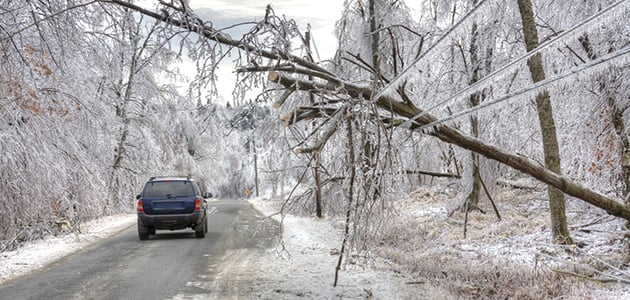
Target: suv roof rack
[[156, 177]]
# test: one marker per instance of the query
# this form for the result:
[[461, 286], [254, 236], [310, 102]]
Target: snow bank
[[511, 257], [304, 263], [38, 254]]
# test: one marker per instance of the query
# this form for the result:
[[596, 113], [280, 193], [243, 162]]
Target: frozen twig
[[612, 279]]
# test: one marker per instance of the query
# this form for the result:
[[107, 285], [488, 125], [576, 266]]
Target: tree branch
[[214, 35], [319, 145], [434, 174], [453, 136]]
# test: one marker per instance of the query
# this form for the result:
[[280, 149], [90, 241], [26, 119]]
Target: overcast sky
[[320, 14]]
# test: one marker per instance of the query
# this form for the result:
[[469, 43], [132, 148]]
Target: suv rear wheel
[[143, 232], [202, 229], [143, 236]]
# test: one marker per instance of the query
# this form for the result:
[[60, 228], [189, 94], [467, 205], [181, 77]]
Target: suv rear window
[[168, 189]]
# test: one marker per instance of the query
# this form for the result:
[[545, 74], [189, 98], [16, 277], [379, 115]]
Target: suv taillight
[[197, 204], [140, 206]]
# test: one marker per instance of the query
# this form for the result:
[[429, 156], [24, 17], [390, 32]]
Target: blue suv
[[172, 203]]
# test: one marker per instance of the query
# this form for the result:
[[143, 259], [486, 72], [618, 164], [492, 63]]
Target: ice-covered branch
[[332, 128], [453, 136], [402, 75]]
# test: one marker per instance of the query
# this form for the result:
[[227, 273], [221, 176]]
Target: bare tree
[[66, 90], [135, 59]]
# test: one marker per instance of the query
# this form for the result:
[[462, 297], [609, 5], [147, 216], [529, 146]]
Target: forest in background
[[91, 107]]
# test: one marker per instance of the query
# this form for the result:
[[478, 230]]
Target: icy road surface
[[242, 257], [169, 264]]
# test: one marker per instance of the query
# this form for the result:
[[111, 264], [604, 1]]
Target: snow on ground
[[508, 258], [36, 255], [303, 265], [422, 254]]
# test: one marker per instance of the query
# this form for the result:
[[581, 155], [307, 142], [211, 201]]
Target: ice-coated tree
[[88, 115], [399, 106]]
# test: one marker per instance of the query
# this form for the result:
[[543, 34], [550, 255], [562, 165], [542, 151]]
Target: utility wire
[[399, 77], [591, 64], [521, 58]]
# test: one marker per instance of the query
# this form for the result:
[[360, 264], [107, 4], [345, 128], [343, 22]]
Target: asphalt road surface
[[170, 265]]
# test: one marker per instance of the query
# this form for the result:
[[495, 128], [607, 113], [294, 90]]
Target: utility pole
[[256, 167]]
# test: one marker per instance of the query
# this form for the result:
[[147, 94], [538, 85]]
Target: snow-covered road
[[301, 265]]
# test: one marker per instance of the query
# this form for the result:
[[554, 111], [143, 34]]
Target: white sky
[[321, 15]]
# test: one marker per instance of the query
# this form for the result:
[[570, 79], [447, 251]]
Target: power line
[[521, 58], [538, 85], [399, 77]]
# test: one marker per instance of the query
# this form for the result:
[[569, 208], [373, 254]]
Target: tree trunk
[[625, 154], [122, 112], [351, 166], [559, 229], [374, 38], [473, 198], [256, 169], [318, 184]]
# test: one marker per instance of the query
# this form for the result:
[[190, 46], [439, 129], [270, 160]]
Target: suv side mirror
[[207, 195], [138, 197]]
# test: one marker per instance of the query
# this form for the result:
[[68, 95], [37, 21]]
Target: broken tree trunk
[[523, 164], [451, 135]]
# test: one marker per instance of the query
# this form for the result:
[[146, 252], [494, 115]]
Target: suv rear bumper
[[170, 222]]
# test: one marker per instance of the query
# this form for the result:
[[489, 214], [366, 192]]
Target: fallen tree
[[453, 136], [287, 70]]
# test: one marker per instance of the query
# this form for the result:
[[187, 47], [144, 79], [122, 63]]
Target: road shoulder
[[37, 255]]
